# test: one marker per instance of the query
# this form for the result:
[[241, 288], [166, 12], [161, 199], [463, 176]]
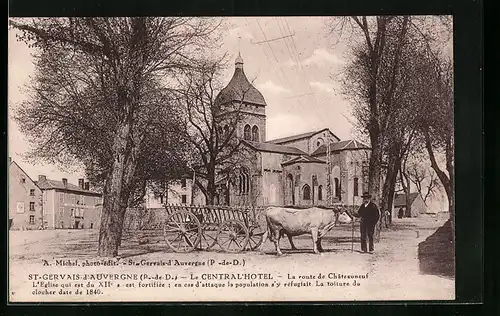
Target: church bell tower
[[240, 95]]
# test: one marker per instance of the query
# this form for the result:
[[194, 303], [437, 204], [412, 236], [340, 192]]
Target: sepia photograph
[[231, 159]]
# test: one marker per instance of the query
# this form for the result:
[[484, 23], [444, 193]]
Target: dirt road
[[392, 272]]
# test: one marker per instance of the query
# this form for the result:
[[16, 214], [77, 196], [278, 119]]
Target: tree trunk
[[451, 196], [445, 180], [110, 234], [388, 192], [116, 194], [406, 189], [391, 201], [374, 170], [211, 186]]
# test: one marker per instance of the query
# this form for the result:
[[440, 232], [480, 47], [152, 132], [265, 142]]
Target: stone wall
[[302, 175], [252, 115]]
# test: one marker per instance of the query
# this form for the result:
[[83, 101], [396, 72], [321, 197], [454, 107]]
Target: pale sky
[[292, 73]]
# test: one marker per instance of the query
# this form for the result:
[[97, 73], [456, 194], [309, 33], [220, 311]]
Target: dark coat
[[369, 214]]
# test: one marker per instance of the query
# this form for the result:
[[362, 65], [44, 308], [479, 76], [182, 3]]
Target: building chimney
[[81, 183], [65, 182], [87, 185], [41, 178]]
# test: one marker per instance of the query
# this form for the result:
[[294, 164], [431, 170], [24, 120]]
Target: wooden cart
[[233, 229]]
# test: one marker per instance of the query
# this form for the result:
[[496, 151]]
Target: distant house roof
[[58, 185], [18, 166], [299, 137], [303, 159], [273, 148], [340, 146], [400, 199]]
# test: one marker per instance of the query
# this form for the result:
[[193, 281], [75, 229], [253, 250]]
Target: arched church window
[[356, 187], [247, 186], [319, 142], [240, 183], [244, 182], [226, 130], [337, 188], [290, 190], [247, 133], [255, 133], [306, 192], [320, 193]]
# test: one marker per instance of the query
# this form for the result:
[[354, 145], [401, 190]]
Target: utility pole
[[355, 174], [328, 171]]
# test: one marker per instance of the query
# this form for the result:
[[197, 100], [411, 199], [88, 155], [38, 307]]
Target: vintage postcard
[[231, 159]]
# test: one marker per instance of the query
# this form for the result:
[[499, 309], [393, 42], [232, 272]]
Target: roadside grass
[[436, 254]]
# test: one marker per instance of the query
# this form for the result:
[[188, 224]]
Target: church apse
[[303, 182]]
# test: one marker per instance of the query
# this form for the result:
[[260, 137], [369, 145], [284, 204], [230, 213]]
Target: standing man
[[369, 214]]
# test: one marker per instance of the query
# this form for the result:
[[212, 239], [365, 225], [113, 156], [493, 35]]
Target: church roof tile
[[274, 148], [303, 159], [340, 146], [240, 88], [298, 137]]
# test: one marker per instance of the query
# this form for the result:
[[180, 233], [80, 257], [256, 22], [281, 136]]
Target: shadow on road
[[347, 239], [436, 254]]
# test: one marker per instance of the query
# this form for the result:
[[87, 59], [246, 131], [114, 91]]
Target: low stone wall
[[144, 219]]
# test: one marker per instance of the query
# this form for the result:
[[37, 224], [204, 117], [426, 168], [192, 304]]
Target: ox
[[294, 222]]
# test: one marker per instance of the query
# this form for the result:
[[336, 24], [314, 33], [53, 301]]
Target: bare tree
[[436, 123], [210, 126], [424, 179], [380, 83], [100, 84], [377, 83]]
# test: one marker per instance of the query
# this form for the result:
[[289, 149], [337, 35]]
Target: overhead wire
[[304, 75], [277, 61]]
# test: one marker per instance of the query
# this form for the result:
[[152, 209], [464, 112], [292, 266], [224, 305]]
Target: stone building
[[66, 205], [50, 204], [315, 168], [417, 205], [176, 192], [25, 200]]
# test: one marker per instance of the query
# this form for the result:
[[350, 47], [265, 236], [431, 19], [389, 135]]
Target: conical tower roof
[[240, 87]]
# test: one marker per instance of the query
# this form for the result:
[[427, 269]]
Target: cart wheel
[[255, 238], [232, 236], [182, 231], [208, 237], [257, 230]]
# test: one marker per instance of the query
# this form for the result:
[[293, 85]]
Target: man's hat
[[366, 195]]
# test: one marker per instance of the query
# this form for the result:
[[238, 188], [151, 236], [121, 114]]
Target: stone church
[[315, 168]]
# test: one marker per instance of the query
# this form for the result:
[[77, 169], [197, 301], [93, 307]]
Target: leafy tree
[[102, 96]]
